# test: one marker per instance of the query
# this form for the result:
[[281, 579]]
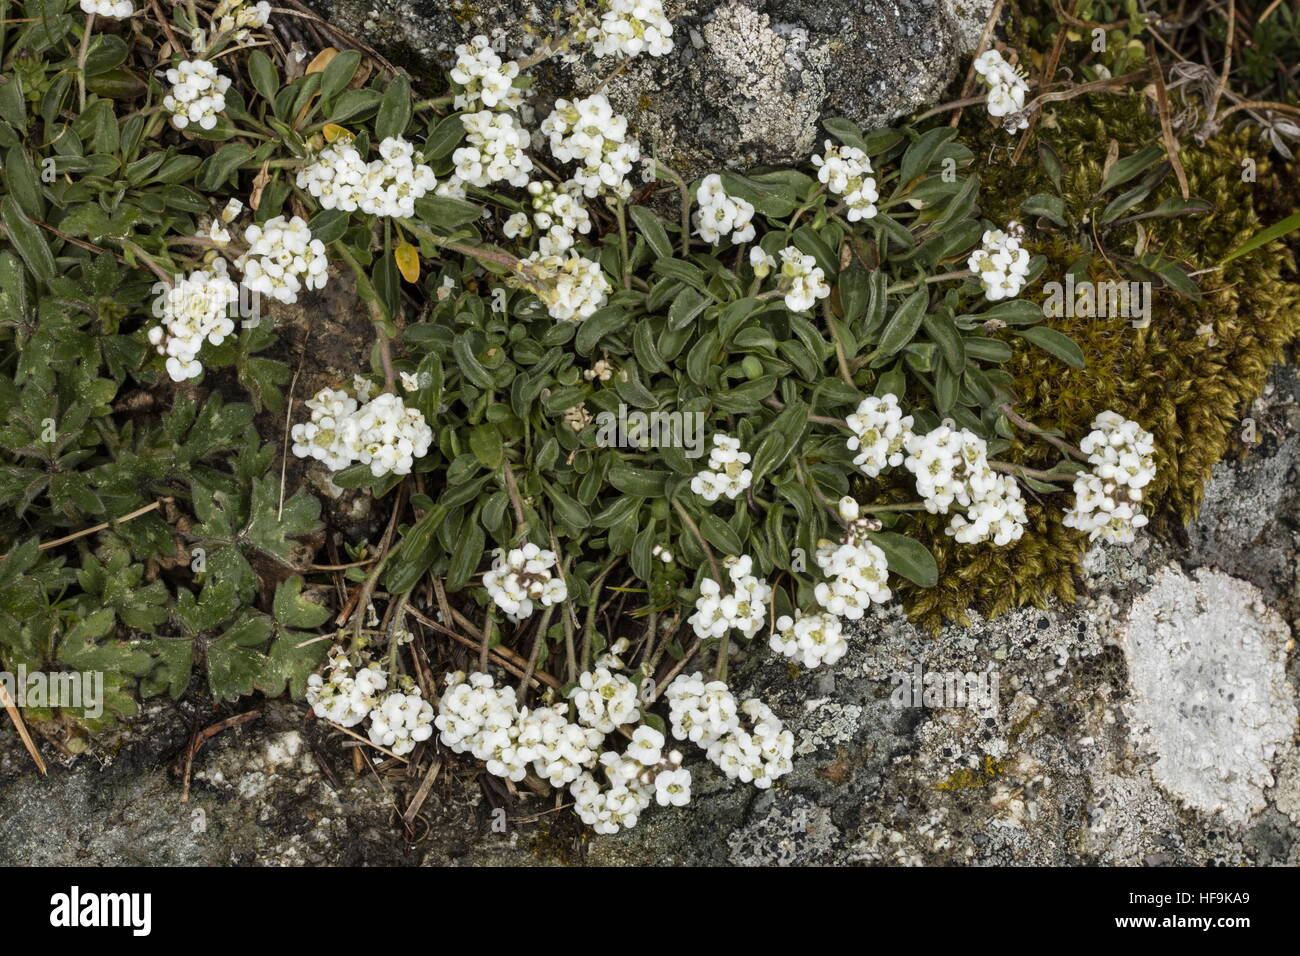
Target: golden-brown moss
[[1186, 377]]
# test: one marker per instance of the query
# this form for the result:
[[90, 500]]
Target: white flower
[[383, 433], [572, 288], [589, 133], [197, 95], [114, 9], [802, 280], [744, 608], [761, 263], [389, 186], [997, 516], [522, 577], [604, 701], [341, 697], [951, 466], [557, 215], [879, 432], [718, 214], [857, 576], [811, 640], [194, 310], [647, 746], [409, 382], [1007, 89], [484, 79], [1108, 499], [561, 749], [673, 788], [283, 259], [1001, 264], [726, 473], [629, 27], [495, 150], [477, 717], [846, 171], [706, 714], [401, 721]]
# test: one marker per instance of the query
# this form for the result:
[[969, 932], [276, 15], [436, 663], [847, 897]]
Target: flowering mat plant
[[627, 428]]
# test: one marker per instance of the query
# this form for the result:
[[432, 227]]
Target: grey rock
[[746, 82]]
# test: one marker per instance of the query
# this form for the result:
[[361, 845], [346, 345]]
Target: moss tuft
[[1187, 377]]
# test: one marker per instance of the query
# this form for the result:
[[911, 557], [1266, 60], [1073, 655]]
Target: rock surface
[[1083, 759], [746, 82]]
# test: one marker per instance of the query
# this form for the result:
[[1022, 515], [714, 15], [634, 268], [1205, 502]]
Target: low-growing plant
[[558, 345]]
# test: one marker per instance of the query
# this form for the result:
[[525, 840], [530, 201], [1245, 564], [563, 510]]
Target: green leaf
[[394, 109], [1264, 237], [903, 325], [1054, 343], [27, 239], [485, 442], [1125, 169], [908, 558], [293, 610], [265, 77], [656, 236], [236, 659]]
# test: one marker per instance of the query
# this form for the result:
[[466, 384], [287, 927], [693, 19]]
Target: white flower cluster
[[719, 214], [522, 576], [604, 700], [1007, 88], [477, 717], [810, 639], [237, 17], [484, 79], [389, 186], [880, 430], [383, 433], [572, 288], [802, 280], [561, 749], [1108, 499], [630, 27], [744, 608], [706, 714], [194, 310], [495, 151], [998, 516], [342, 697], [197, 95], [116, 9], [951, 467], [558, 213], [726, 474], [1001, 263], [846, 171], [857, 576], [590, 133], [283, 259], [401, 721]]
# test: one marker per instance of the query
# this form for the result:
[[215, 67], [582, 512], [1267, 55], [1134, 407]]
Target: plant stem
[[1060, 443], [942, 277], [621, 211], [695, 530]]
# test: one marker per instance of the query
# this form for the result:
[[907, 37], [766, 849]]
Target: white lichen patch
[[1209, 694]]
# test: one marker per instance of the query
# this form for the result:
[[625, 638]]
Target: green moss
[[1187, 387]]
